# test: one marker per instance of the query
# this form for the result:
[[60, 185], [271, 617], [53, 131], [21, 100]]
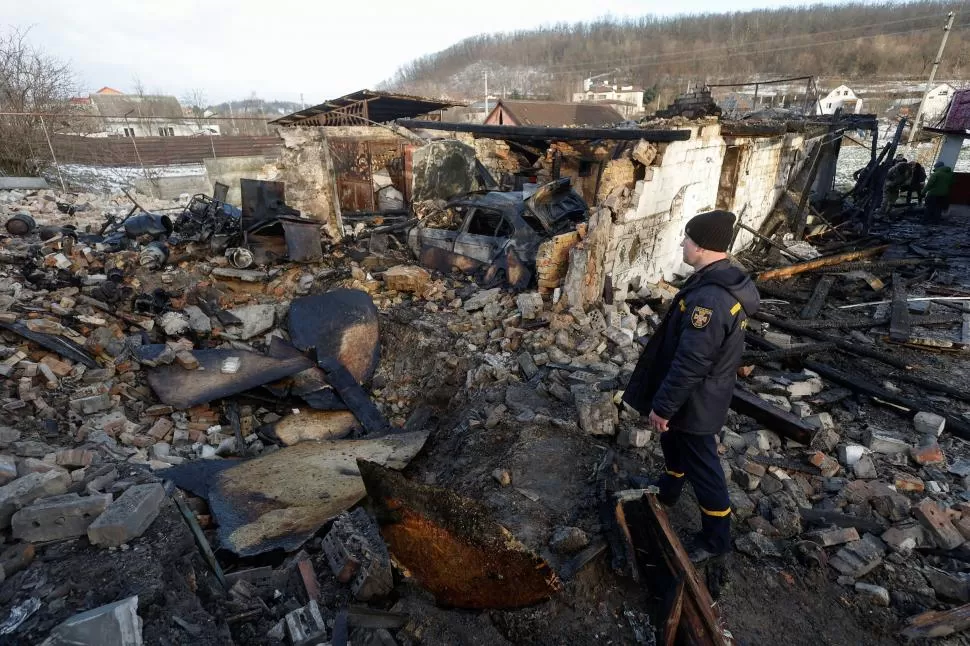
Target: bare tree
[[32, 84], [196, 101]]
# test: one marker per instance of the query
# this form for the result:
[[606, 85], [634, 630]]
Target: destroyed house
[[364, 108], [548, 113]]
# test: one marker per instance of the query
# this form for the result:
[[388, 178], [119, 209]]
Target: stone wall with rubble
[[644, 239]]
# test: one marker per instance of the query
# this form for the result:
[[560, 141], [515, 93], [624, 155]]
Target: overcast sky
[[282, 48]]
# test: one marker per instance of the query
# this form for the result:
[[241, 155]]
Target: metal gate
[[356, 160]]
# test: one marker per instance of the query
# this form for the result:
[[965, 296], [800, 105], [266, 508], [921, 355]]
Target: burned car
[[500, 232]]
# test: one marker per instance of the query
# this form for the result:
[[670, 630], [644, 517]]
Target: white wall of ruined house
[[645, 247], [645, 242], [766, 164]]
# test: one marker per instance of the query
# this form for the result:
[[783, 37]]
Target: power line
[[690, 59]]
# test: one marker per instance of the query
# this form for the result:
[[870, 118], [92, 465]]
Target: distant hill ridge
[[853, 40]]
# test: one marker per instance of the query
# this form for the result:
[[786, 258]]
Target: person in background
[[685, 378], [897, 179], [937, 192], [916, 184]]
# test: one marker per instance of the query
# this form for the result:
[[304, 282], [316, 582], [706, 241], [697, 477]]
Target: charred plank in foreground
[[452, 547]]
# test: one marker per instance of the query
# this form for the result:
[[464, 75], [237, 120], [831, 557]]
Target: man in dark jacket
[[685, 377], [916, 183]]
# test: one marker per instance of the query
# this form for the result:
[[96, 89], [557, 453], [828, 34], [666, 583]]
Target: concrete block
[[529, 304], [834, 536], [306, 626], [357, 555], [885, 443], [858, 558], [128, 517], [116, 624], [91, 405], [256, 319], [407, 278], [821, 422], [936, 521], [905, 536], [23, 491], [74, 458], [620, 336], [929, 424], [636, 438], [58, 517], [596, 411]]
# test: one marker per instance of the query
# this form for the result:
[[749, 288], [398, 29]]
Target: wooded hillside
[[851, 41]]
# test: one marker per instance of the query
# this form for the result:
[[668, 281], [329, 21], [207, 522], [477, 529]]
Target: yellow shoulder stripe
[[683, 306], [735, 309]]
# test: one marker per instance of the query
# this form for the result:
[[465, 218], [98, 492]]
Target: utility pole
[[929, 83], [486, 93]]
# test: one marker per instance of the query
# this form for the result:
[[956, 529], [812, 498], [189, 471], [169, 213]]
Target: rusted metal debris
[[223, 373], [280, 500], [645, 522], [452, 547], [782, 273], [342, 324]]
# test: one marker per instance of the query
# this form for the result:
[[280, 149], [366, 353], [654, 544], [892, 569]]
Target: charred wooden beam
[[827, 261], [931, 385], [817, 301], [776, 419], [804, 350], [651, 533], [848, 346], [938, 623], [826, 517], [899, 325], [955, 425], [541, 132], [353, 395]]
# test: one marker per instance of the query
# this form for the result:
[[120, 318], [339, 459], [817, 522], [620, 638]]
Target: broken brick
[[25, 490], [935, 520], [834, 536], [74, 458], [929, 454]]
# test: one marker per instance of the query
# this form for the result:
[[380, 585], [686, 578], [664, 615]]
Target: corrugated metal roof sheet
[[381, 107]]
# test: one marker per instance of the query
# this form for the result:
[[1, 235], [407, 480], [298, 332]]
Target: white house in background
[[625, 94], [936, 103], [133, 115], [841, 97]]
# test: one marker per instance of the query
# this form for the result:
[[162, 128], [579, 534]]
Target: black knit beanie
[[712, 230]]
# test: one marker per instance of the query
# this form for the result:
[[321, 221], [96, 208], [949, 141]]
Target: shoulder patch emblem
[[700, 316]]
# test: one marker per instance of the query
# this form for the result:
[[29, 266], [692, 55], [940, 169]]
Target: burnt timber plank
[[938, 623], [899, 325], [541, 132], [817, 301], [673, 617], [825, 261], [825, 517], [776, 419]]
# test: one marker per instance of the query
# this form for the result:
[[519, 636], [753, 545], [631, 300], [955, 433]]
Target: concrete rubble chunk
[[23, 491], [58, 517], [255, 319], [929, 424], [198, 320], [858, 558], [91, 405], [482, 298], [568, 540], [305, 626], [758, 545], [936, 521], [885, 443], [834, 536], [596, 411], [115, 624], [357, 555], [74, 458], [529, 304], [620, 336], [8, 436], [950, 586], [128, 517], [878, 595], [635, 438], [407, 278]]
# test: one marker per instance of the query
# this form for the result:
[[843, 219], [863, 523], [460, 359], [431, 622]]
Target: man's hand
[[657, 423]]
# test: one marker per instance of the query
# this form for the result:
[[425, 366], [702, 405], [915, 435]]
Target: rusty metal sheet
[[181, 388], [280, 500], [452, 547], [302, 240], [341, 323]]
